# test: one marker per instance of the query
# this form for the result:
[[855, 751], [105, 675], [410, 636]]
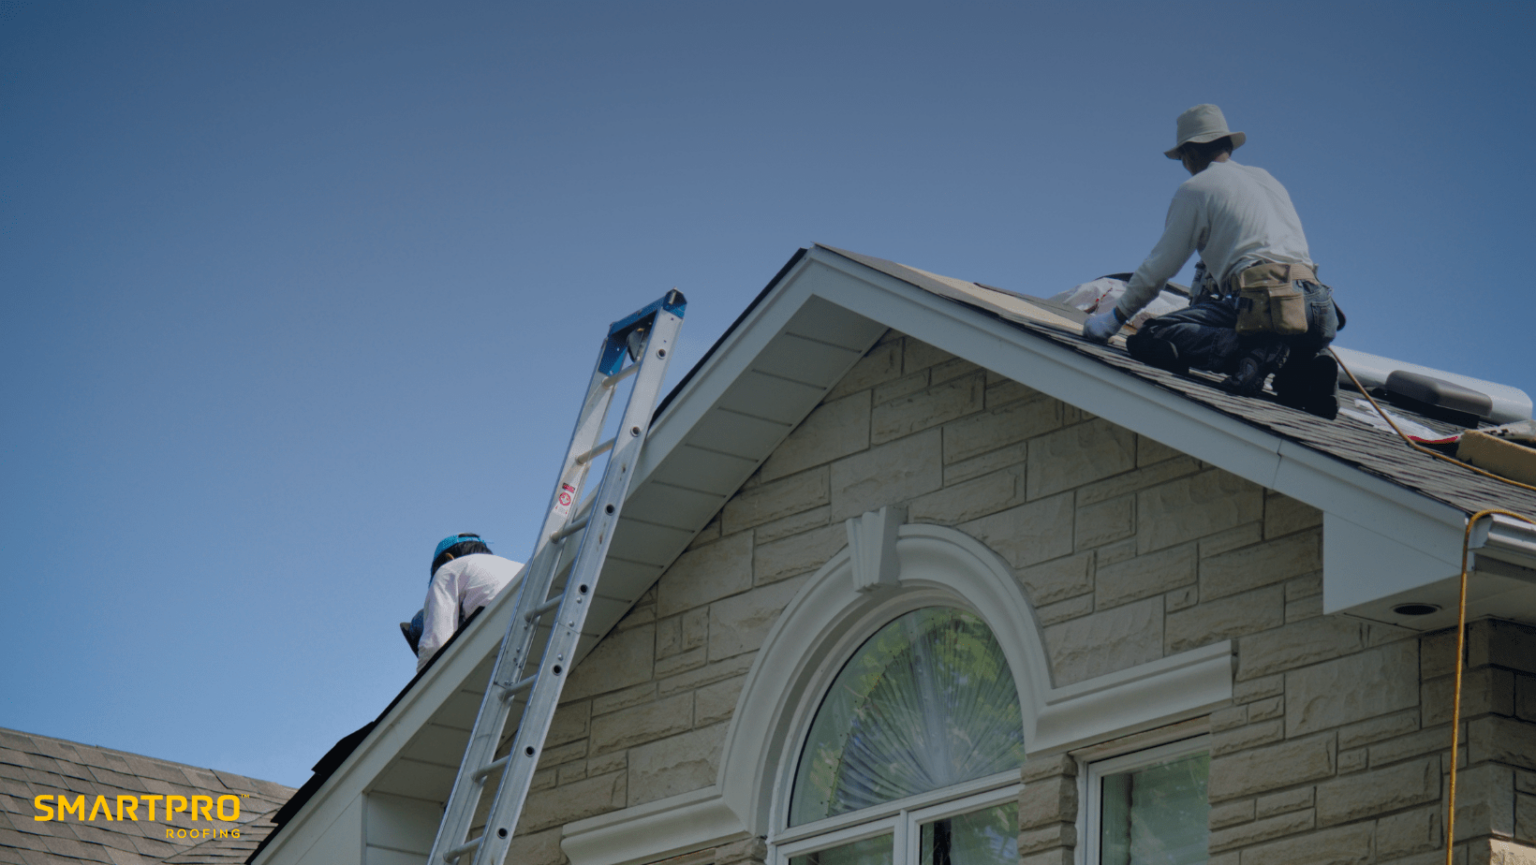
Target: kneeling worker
[[465, 577], [1257, 306]]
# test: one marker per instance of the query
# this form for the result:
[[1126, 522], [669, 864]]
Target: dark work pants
[[1205, 337]]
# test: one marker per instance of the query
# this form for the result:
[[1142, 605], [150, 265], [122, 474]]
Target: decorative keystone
[[872, 548]]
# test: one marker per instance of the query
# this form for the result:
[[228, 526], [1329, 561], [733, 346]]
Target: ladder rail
[[655, 328]]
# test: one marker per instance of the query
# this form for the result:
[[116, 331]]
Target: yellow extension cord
[[1461, 609]]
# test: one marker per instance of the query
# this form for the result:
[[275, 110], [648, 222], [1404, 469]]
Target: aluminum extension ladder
[[648, 337]]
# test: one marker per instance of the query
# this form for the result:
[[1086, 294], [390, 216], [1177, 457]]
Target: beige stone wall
[[1129, 551]]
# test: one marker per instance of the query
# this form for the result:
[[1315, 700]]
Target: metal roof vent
[[1437, 398]]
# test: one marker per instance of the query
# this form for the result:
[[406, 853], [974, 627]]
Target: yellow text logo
[[225, 809]]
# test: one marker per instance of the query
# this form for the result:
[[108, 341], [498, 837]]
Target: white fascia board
[[655, 830], [1362, 566], [1506, 539], [448, 675]]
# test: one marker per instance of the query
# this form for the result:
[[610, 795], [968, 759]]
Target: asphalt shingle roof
[[33, 765]]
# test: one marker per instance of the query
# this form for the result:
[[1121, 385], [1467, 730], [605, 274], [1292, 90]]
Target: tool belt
[[1268, 299]]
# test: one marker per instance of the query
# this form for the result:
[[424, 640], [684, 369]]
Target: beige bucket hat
[[1202, 124]]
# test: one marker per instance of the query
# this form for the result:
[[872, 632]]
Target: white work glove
[[1099, 328]]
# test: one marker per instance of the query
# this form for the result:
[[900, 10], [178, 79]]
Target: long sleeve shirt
[[458, 589], [1235, 215]]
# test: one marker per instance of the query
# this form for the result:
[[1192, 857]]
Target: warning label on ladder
[[564, 501]]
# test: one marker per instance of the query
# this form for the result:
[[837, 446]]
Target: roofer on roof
[[1257, 306], [465, 577]]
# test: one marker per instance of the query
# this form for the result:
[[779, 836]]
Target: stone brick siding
[[1332, 751]]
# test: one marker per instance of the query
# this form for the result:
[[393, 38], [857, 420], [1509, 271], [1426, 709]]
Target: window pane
[[1157, 815], [926, 703], [989, 837], [870, 851]]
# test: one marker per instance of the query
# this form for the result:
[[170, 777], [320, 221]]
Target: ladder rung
[[462, 849], [545, 607], [571, 529], [491, 767], [622, 374], [589, 456], [519, 687]]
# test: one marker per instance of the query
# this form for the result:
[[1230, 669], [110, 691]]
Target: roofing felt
[[1355, 444], [33, 765]]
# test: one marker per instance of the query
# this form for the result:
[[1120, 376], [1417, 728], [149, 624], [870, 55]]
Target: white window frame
[[902, 819], [1093, 774]]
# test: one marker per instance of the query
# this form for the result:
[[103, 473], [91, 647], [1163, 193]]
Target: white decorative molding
[[872, 546], [655, 830]]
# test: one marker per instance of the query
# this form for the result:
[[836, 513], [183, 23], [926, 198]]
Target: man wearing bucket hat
[[1257, 307], [465, 577]]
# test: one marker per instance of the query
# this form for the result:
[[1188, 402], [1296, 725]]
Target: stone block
[[793, 524], [678, 663], [1137, 480], [1284, 515], [955, 368], [707, 535], [1193, 507], [770, 500], [1410, 832], [1260, 830], [1210, 621], [1427, 741], [927, 408], [1306, 586], [1274, 767], [878, 366], [1114, 554], [1503, 740], [669, 636], [1379, 729], [1053, 766], [1028, 534], [970, 500], [537, 848], [1230, 813], [1502, 852], [681, 764], [1245, 535], [1263, 710], [1261, 564], [1525, 818], [1352, 688], [1058, 579], [1048, 802], [1503, 644], [1483, 691], [1047, 838], [569, 724], [1377, 792], [797, 554], [570, 802], [886, 474], [1149, 451], [1284, 802], [1079, 455], [1106, 522], [907, 384], [1250, 736], [613, 701], [1258, 689], [715, 703], [1001, 392], [1306, 608], [834, 429], [1072, 608], [1181, 599], [1525, 782], [1228, 718], [1055, 856], [1144, 576], [1485, 801], [572, 772], [554, 756], [917, 355], [1346, 845], [707, 674], [1354, 760], [989, 462], [740, 624], [1106, 641], [984, 432], [639, 724], [1292, 646], [622, 659], [699, 576]]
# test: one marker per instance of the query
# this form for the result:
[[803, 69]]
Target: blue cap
[[449, 541]]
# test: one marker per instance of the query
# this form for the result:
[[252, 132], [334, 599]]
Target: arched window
[[913, 754]]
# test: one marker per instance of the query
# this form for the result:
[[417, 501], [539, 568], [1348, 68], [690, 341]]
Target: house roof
[[796, 340], [33, 765]]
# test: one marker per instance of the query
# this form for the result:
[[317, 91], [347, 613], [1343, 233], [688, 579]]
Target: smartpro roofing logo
[[224, 809]]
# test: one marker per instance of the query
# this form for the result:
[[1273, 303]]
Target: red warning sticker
[[565, 499]]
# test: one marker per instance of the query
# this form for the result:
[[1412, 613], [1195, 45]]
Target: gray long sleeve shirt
[[1235, 215]]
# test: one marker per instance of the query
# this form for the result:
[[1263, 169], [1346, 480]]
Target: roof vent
[[1437, 398]]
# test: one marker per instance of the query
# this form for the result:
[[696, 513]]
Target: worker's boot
[[1254, 366], [1310, 384], [1145, 346]]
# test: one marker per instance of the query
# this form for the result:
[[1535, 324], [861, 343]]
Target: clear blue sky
[[292, 290]]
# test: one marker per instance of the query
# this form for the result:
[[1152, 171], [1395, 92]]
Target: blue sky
[[292, 290]]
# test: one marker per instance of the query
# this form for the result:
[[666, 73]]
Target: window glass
[[988, 837], [870, 851], [927, 702], [1157, 815]]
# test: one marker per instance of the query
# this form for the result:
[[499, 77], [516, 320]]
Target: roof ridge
[[138, 756]]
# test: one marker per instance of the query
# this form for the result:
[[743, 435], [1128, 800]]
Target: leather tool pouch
[[1269, 301]]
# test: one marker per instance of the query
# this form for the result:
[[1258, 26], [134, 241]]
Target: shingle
[[127, 783]]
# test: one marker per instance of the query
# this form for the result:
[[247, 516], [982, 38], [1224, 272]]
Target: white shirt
[[1236, 215], [465, 584]]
